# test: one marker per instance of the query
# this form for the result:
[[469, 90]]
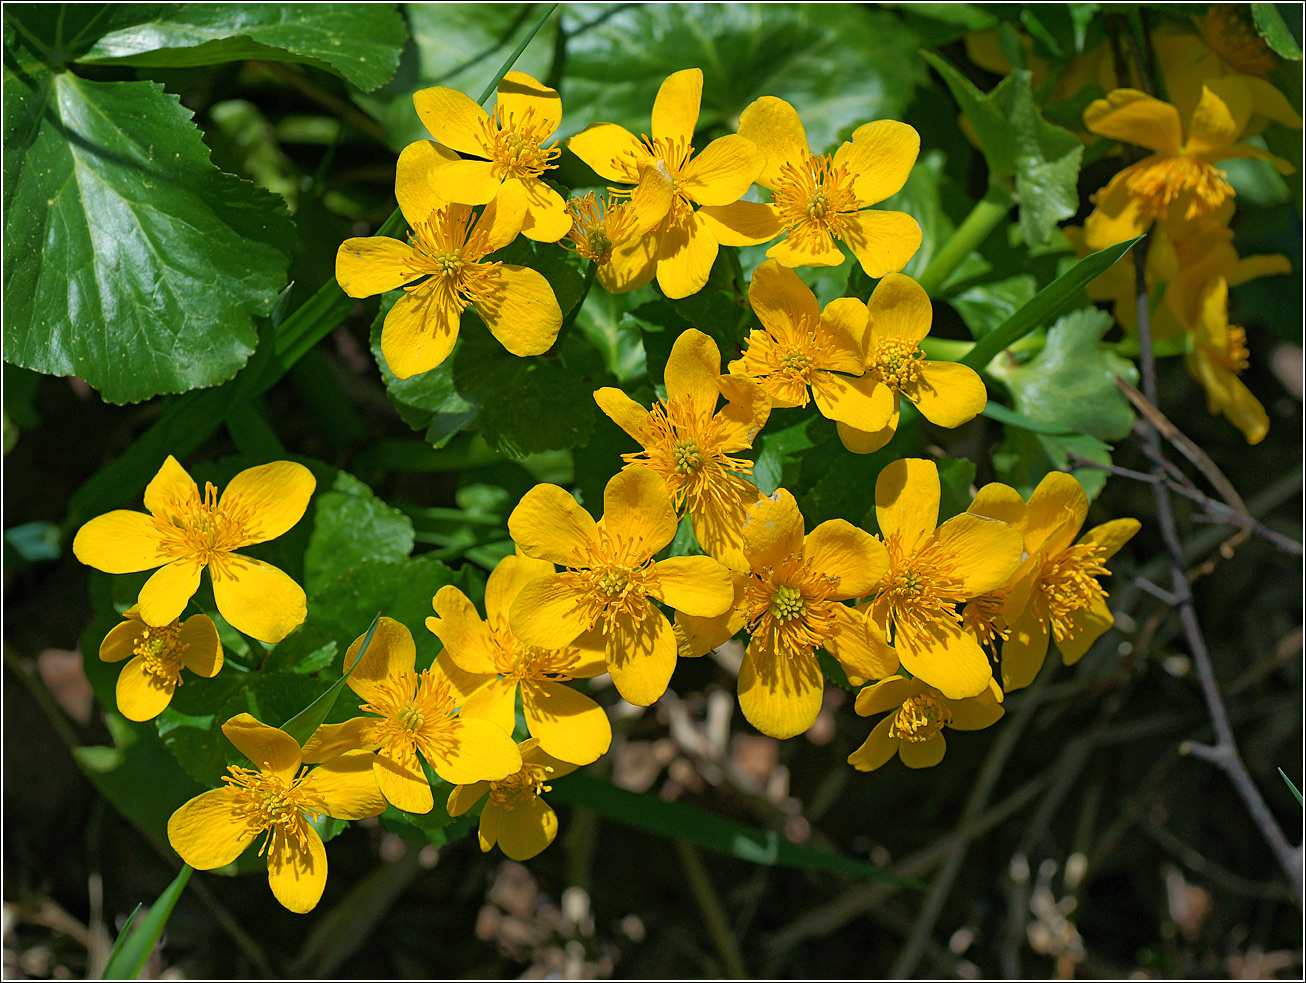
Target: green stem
[[512, 58], [709, 904], [987, 214]]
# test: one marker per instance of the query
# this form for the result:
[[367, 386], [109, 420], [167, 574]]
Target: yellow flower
[[1055, 587], [516, 817], [414, 712], [1218, 357], [931, 571], [214, 828], [689, 443], [984, 615], [1179, 183], [791, 603], [915, 727], [510, 147], [568, 724], [817, 198], [801, 347], [184, 534], [683, 247], [606, 594], [948, 394], [619, 227], [443, 270], [147, 682]]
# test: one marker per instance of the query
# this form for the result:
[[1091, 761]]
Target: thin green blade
[[302, 725], [131, 951]]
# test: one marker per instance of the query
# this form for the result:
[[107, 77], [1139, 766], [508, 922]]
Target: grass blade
[[506, 67], [1292, 787], [131, 950], [302, 725]]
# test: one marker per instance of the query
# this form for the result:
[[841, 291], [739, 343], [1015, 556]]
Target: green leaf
[[302, 725], [941, 23], [131, 951], [360, 43], [1024, 457], [1047, 304], [956, 475], [351, 525], [602, 320], [130, 260], [1272, 27], [779, 450], [1292, 787]]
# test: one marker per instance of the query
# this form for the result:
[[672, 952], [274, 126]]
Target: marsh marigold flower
[[605, 598], [516, 816], [443, 270], [278, 798], [147, 682], [689, 442], [818, 200], [619, 227], [918, 715], [509, 146], [185, 534], [683, 246], [412, 713], [567, 723], [1218, 357], [931, 571], [1055, 589]]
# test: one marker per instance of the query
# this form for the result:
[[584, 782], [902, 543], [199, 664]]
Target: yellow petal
[[121, 640], [495, 701], [742, 223], [848, 320], [274, 497], [171, 490], [637, 508], [487, 832], [887, 694], [545, 218], [297, 868], [549, 524], [697, 585], [119, 542], [570, 725], [267, 748], [652, 198], [390, 652], [774, 126], [501, 219], [548, 613], [976, 713], [467, 182], [207, 832], [945, 657], [922, 754], [779, 696], [609, 150], [203, 655], [400, 777], [623, 411], [1220, 117], [416, 174], [868, 441], [725, 169], [641, 656], [719, 520], [142, 695], [818, 248], [1117, 217], [507, 579], [1110, 536], [533, 753], [1023, 652], [521, 311], [745, 414], [883, 242], [986, 551], [839, 549], [773, 530], [522, 96], [257, 598], [633, 265], [699, 636], [480, 750], [675, 110], [463, 797], [693, 369], [878, 747], [462, 684], [907, 500], [860, 401], [331, 740], [420, 330], [460, 629], [453, 118], [948, 394], [1001, 502], [1137, 118], [1270, 103], [1255, 267], [780, 299], [166, 594], [346, 786], [1088, 624], [526, 830], [880, 158], [1058, 504], [860, 647], [685, 255]]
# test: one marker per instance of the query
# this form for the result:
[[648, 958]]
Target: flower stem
[[974, 229]]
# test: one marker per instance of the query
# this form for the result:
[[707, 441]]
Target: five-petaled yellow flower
[[619, 227], [443, 270], [689, 443], [819, 199], [568, 724], [147, 682], [1179, 183], [931, 571], [605, 598], [412, 713], [508, 147], [184, 534], [683, 246], [914, 728], [276, 797], [1055, 588], [516, 816]]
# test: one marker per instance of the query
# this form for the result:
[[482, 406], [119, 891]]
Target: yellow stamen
[[1066, 584], [814, 200], [919, 718], [1234, 355], [982, 617], [515, 146], [896, 363], [265, 802], [416, 711], [520, 787], [598, 227], [787, 360], [612, 580], [789, 608], [514, 660], [1159, 181], [204, 529], [162, 650], [920, 590], [449, 249]]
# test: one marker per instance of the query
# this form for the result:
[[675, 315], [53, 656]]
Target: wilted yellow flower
[[185, 534], [689, 443], [608, 590], [1218, 357], [818, 199], [568, 724], [147, 682], [276, 797], [683, 246], [915, 727], [515, 816]]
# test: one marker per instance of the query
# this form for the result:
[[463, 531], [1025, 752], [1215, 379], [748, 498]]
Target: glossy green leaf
[[352, 525], [302, 725], [1272, 27], [132, 950]]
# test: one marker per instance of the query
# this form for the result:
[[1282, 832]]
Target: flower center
[[1234, 355], [1067, 583], [787, 361], [814, 200], [786, 603], [689, 458], [205, 529], [919, 590], [162, 650], [263, 800], [515, 145], [521, 786], [612, 579], [896, 363], [1184, 186], [598, 227], [416, 711], [789, 608], [450, 262], [514, 660], [448, 249], [919, 718]]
